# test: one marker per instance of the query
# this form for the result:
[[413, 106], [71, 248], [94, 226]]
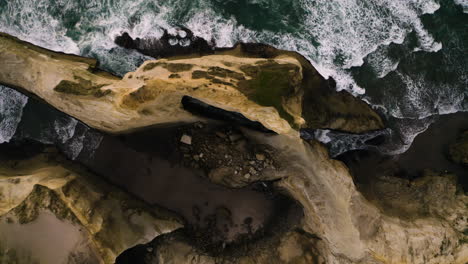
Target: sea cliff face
[[421, 221]]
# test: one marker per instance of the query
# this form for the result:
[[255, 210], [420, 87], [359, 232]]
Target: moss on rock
[[177, 67], [271, 84], [225, 73], [200, 75], [174, 76], [141, 95], [81, 87], [42, 198]]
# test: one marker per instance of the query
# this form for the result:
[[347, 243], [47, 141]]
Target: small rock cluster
[[225, 154]]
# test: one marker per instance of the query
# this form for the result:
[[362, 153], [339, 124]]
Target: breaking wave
[[11, 110], [340, 37]]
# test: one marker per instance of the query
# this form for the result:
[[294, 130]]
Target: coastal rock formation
[[459, 150], [270, 89], [410, 222], [83, 218], [179, 42], [358, 232]]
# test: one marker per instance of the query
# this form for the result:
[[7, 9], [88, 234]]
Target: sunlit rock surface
[[423, 221], [53, 214], [259, 82]]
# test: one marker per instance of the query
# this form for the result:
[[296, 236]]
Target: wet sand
[[46, 240]]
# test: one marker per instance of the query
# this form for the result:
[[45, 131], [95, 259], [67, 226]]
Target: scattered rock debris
[[226, 155]]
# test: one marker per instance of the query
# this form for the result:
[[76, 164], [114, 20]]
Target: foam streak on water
[[336, 35], [464, 4], [11, 110]]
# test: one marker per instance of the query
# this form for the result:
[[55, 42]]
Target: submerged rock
[[53, 214]]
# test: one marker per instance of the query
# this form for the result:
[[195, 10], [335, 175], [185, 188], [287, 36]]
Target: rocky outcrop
[[181, 41], [358, 232], [406, 222], [262, 83], [459, 150], [295, 247], [83, 219], [424, 222]]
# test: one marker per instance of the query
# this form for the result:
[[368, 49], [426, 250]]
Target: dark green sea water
[[408, 58]]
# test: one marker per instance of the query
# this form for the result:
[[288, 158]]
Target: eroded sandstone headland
[[201, 161]]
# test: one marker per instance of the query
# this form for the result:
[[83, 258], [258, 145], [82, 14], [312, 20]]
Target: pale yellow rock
[[152, 94], [40, 196]]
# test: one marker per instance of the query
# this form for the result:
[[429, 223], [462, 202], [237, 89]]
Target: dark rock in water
[[184, 42], [339, 142], [430, 150], [459, 150], [196, 106]]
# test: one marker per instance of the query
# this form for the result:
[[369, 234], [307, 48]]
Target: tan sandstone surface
[[339, 224], [269, 90], [52, 214]]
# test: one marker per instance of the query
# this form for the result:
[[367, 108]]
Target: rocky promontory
[[215, 139], [259, 82]]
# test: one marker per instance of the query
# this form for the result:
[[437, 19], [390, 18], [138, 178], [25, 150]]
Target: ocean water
[[407, 58]]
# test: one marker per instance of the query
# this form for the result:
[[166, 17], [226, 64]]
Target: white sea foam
[[404, 133], [339, 142], [346, 30], [336, 36], [65, 128], [11, 110], [85, 141], [73, 147], [422, 99], [463, 3], [31, 21]]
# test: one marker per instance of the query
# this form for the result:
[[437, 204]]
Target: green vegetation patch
[[219, 81], [225, 73], [200, 75], [152, 65], [271, 84], [177, 67], [42, 198], [172, 67], [81, 87], [140, 96], [174, 76]]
